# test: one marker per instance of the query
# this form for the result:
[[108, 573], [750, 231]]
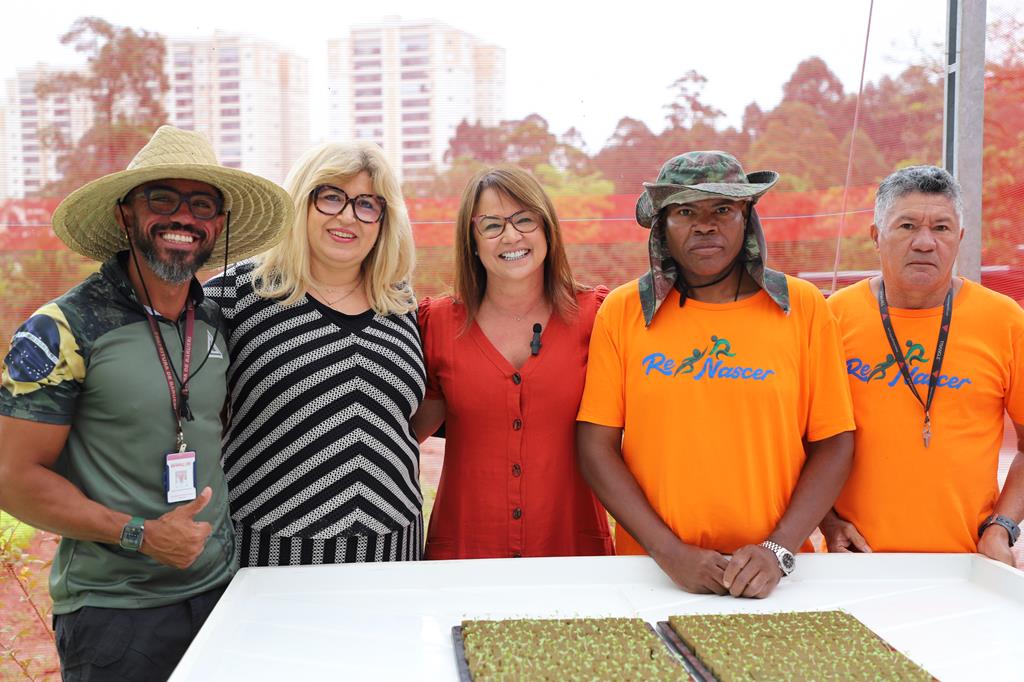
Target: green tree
[[565, 183], [527, 143], [798, 144], [125, 82]]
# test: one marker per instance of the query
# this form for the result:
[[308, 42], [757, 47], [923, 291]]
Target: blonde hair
[[283, 271], [560, 287]]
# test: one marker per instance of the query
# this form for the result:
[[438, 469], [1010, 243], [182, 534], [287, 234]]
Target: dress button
[[517, 470], [517, 424], [516, 379], [517, 513]]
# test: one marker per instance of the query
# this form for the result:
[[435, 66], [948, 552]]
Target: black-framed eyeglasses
[[331, 200], [492, 226], [167, 201]]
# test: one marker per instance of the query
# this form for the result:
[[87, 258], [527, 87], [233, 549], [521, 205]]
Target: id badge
[[180, 477]]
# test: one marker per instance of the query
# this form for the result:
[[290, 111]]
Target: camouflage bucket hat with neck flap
[[692, 177]]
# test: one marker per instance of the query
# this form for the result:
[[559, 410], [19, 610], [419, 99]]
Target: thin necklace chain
[[514, 316], [341, 298]]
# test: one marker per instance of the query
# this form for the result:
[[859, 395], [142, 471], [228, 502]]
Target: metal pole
[[964, 128]]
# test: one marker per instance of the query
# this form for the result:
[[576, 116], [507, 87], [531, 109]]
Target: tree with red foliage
[[630, 157], [125, 81], [687, 109], [817, 86], [1003, 165]]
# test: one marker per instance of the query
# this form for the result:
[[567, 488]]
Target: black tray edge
[[693, 665]]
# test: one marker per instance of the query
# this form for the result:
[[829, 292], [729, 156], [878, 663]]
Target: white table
[[959, 616]]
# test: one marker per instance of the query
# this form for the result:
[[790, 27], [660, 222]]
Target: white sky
[[583, 64]]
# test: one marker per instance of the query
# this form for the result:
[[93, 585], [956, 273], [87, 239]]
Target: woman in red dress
[[506, 359]]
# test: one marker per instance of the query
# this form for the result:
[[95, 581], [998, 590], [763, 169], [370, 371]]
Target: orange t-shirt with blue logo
[[714, 401], [902, 496]]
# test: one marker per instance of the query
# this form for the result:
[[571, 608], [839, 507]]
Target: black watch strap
[[1012, 529]]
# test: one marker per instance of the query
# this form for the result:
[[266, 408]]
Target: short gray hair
[[923, 179]]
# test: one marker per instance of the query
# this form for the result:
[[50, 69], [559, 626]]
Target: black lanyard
[[177, 396], [940, 353]]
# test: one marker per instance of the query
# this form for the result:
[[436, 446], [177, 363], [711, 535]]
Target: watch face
[[131, 537], [788, 561]]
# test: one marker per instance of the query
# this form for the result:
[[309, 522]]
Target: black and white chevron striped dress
[[321, 462]]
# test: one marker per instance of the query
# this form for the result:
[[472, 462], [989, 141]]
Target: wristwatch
[[131, 534], [999, 520], [787, 562]]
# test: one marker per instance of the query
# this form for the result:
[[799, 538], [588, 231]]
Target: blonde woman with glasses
[[326, 372], [506, 358]]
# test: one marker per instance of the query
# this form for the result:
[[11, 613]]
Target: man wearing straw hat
[[716, 416], [110, 408], [935, 364]]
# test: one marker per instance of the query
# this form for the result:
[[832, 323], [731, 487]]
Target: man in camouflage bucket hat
[[722, 426], [691, 177]]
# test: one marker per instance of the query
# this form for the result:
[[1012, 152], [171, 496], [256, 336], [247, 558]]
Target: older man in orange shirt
[[934, 362]]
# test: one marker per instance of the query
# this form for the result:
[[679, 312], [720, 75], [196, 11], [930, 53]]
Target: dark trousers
[[98, 644]]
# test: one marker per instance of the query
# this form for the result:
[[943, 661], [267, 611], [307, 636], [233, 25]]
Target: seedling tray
[[823, 645], [672, 669]]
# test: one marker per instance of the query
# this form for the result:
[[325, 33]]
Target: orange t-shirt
[[901, 496], [714, 401]]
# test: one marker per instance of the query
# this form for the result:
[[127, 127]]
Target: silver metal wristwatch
[[787, 562]]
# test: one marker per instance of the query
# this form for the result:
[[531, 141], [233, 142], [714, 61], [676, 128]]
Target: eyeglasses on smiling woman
[[492, 226], [331, 200]]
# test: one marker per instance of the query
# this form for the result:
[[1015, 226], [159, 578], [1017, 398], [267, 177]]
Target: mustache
[[177, 227]]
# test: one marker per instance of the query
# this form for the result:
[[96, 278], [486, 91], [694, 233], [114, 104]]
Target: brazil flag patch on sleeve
[[43, 353]]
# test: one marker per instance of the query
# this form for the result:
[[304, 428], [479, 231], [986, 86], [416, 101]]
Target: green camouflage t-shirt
[[88, 359]]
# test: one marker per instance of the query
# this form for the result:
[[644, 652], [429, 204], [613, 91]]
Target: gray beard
[[175, 270]]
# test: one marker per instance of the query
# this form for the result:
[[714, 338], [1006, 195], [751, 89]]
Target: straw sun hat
[[260, 210]]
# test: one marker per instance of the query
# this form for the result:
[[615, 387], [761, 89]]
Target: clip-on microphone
[[535, 342]]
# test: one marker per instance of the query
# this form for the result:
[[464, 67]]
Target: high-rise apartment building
[[407, 85], [248, 96], [29, 121]]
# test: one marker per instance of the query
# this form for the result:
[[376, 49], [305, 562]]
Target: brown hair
[[470, 276]]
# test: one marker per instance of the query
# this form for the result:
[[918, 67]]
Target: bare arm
[[33, 492], [42, 498], [754, 570], [428, 418], [599, 451], [994, 542]]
